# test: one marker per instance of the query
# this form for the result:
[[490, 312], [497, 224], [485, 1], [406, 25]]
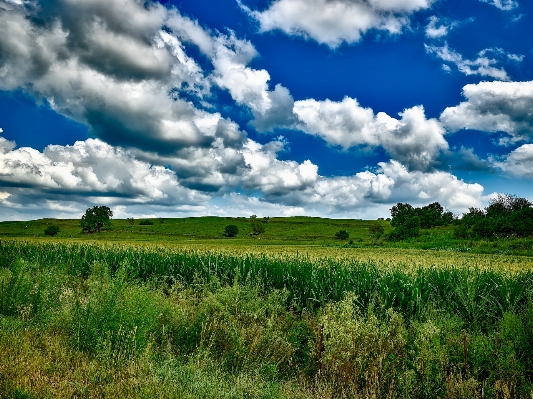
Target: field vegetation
[[142, 319]]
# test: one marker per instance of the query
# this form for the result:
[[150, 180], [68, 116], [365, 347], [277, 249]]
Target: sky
[[331, 108]]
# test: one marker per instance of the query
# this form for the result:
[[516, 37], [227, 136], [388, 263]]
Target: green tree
[[257, 227], [96, 219], [231, 230], [400, 213], [51, 230], [342, 235], [409, 228]]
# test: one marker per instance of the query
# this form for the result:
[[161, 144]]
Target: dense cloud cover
[[144, 79]]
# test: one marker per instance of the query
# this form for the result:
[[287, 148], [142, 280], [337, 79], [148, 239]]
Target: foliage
[[104, 321], [408, 229], [342, 235], [257, 227], [96, 219], [231, 230], [52, 230], [376, 230], [131, 221], [505, 216], [146, 222]]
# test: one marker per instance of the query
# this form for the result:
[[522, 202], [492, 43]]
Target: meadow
[[146, 315]]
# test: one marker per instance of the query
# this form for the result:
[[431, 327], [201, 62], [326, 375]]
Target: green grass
[[94, 320], [299, 230], [285, 230]]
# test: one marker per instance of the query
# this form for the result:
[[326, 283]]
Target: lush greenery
[[407, 220], [86, 320], [506, 216], [146, 222], [52, 230], [96, 219], [231, 230], [342, 235]]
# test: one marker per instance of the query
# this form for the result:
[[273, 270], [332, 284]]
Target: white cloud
[[335, 21], [390, 183], [413, 139], [250, 86], [95, 168], [493, 107], [482, 65], [504, 5], [112, 70], [436, 29], [518, 163]]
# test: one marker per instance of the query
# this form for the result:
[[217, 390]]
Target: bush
[[376, 230], [231, 230], [51, 230], [342, 235], [146, 222]]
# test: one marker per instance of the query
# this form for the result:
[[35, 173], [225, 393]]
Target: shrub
[[231, 230], [146, 222], [376, 230], [342, 235], [51, 230]]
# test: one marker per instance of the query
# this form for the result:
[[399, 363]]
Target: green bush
[[342, 235], [231, 230], [146, 222], [51, 230]]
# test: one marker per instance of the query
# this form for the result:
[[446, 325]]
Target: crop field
[[209, 320]]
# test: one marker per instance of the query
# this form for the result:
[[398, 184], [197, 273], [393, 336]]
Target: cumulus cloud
[[493, 107], [504, 5], [413, 139], [94, 168], [332, 22], [390, 183], [518, 163], [483, 65], [112, 70]]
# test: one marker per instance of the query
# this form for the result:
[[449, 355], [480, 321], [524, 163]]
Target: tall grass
[[479, 296], [92, 321]]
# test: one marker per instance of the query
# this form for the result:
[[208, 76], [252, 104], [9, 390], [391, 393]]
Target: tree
[[131, 221], [430, 215], [257, 228], [342, 235], [410, 228], [51, 231], [146, 222], [231, 230], [400, 213], [96, 219]]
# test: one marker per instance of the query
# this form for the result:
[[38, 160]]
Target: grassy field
[[299, 229], [289, 231], [176, 310]]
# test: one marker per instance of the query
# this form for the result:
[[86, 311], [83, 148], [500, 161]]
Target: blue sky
[[335, 108]]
